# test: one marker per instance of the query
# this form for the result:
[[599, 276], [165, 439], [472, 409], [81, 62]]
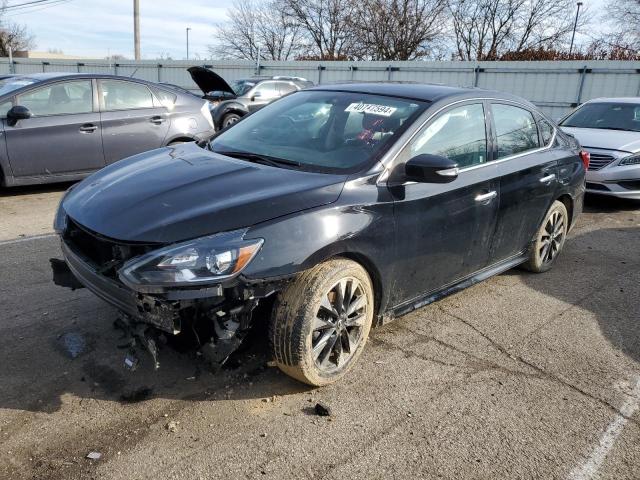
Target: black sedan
[[339, 208]]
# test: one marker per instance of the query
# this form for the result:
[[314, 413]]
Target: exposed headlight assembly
[[202, 261], [631, 160]]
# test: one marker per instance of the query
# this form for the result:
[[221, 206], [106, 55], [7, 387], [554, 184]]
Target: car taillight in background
[[585, 157]]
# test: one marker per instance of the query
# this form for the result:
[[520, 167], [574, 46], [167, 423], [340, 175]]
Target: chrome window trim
[[384, 176]]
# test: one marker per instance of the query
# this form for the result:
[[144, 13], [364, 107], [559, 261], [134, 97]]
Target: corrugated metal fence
[[555, 87]]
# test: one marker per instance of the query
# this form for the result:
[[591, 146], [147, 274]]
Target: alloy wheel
[[338, 325], [552, 237]]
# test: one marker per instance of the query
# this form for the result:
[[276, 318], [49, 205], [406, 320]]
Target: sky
[[98, 28]]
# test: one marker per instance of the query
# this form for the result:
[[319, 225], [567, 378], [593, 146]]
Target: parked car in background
[[244, 96], [60, 126], [609, 128], [336, 208]]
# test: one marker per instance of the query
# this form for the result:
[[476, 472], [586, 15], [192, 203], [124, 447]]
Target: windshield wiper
[[622, 129], [255, 157]]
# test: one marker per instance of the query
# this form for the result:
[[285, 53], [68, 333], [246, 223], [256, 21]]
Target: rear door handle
[[157, 120], [88, 128], [548, 178], [486, 197]]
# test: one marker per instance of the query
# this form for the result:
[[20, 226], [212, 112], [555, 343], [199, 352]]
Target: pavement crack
[[543, 373]]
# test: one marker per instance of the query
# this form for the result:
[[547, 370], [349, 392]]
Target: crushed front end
[[166, 293]]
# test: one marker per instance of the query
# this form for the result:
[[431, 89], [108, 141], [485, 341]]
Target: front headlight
[[631, 160], [201, 261]]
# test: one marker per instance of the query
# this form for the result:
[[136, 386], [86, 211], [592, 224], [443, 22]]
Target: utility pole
[[136, 28], [575, 25], [188, 28]]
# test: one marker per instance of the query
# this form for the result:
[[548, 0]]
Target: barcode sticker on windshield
[[371, 108]]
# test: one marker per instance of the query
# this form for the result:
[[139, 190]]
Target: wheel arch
[[338, 250], [180, 138], [568, 202]]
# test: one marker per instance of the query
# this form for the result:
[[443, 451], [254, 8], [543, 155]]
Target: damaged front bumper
[[222, 312]]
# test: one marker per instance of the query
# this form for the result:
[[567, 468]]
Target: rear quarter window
[[546, 131]]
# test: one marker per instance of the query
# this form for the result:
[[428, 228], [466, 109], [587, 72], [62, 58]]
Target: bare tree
[[327, 24], [398, 29], [13, 37], [488, 29], [627, 13], [257, 27]]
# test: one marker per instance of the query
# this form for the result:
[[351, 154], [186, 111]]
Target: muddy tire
[[321, 322], [229, 119], [549, 239]]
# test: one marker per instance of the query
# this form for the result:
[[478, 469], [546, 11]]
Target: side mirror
[[427, 168], [255, 95], [16, 113]]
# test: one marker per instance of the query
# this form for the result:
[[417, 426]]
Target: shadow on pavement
[[34, 189]]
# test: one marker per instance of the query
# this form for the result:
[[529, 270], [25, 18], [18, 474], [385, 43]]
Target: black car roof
[[417, 91]]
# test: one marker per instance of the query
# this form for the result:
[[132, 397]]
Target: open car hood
[[183, 192], [209, 81]]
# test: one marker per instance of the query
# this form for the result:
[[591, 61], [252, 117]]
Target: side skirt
[[452, 288]]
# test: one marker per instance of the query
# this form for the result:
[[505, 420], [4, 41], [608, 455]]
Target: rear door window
[[122, 95], [286, 87], [166, 99], [516, 130], [458, 134], [267, 90], [61, 98]]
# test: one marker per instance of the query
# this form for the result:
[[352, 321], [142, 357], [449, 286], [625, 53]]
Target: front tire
[[549, 240], [229, 119], [321, 322]]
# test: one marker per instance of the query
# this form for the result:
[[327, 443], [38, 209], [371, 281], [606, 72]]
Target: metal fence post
[[476, 78], [638, 92], [391, 69], [320, 69], [353, 69], [115, 69], [159, 70], [583, 73]]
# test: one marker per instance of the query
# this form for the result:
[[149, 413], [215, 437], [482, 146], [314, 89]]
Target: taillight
[[585, 157]]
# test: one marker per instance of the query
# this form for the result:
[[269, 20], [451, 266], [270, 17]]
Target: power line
[[32, 8], [26, 4]]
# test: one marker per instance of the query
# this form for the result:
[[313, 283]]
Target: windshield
[[605, 115], [241, 87], [321, 131], [13, 83]]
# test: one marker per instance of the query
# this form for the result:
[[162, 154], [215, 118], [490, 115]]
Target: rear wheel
[[321, 322], [549, 239], [229, 119]]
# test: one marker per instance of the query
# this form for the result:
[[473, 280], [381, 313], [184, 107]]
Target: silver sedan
[[609, 128]]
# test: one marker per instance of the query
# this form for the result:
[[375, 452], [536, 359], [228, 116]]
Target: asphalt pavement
[[522, 376]]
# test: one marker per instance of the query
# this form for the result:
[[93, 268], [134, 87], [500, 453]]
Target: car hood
[[183, 192], [606, 139], [209, 81]]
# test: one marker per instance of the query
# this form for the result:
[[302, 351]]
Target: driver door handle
[[88, 128], [157, 120], [486, 197]]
